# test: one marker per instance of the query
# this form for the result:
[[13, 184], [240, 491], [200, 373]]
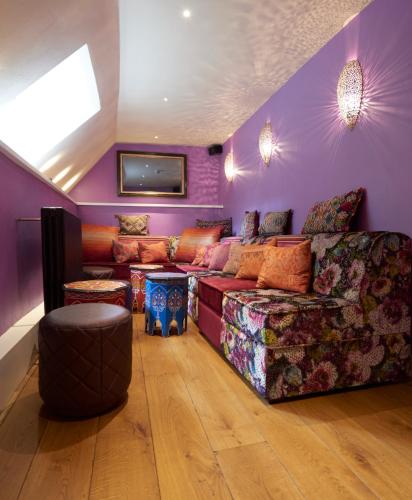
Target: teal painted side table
[[166, 301]]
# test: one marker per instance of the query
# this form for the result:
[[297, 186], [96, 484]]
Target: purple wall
[[22, 195], [100, 185], [319, 156]]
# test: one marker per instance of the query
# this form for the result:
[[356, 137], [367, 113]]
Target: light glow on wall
[[51, 108], [349, 92]]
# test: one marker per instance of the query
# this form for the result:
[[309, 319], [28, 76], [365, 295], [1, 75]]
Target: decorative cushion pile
[[125, 251], [219, 257], [133, 224], [97, 242], [200, 253], [155, 252], [193, 238], [250, 225], [274, 223], [334, 215], [287, 268], [225, 223]]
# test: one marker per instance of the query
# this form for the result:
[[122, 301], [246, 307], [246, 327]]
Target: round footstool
[[85, 358], [98, 272]]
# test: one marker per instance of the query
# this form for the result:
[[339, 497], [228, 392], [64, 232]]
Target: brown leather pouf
[[85, 362]]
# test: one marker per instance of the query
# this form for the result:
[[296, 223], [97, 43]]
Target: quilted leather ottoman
[[85, 358]]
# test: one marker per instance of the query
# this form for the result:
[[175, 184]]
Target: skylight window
[[50, 109]]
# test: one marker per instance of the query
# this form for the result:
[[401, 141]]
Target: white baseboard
[[16, 353]]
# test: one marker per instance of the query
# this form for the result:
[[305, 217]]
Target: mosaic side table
[[138, 280], [106, 291], [166, 301]]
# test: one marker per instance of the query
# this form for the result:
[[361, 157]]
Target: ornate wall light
[[349, 92], [266, 143], [229, 167]]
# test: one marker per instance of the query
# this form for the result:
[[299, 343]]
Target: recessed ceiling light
[[165, 99], [156, 137], [186, 14], [229, 135]]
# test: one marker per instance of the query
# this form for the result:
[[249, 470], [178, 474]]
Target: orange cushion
[[193, 238], [287, 268], [251, 260], [97, 242], [154, 252], [200, 253], [125, 251]]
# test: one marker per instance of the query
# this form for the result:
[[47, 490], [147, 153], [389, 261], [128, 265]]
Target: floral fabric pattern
[[354, 329], [334, 215]]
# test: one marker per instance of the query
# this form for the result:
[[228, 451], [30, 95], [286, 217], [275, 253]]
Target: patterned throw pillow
[[125, 251], [287, 268], [334, 215], [235, 253], [219, 257], [133, 224], [225, 223], [200, 253], [274, 223], [250, 225], [153, 252], [208, 255], [193, 238], [251, 261]]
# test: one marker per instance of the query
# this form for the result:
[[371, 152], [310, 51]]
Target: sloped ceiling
[[36, 35], [216, 68]]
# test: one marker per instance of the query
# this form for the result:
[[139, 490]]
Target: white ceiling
[[215, 68]]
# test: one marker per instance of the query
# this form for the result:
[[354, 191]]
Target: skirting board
[[16, 353]]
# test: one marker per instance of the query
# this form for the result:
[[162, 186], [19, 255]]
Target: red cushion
[[210, 324], [211, 290], [188, 268]]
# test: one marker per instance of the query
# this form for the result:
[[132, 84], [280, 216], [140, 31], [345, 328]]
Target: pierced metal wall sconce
[[266, 143], [229, 167], [349, 92]]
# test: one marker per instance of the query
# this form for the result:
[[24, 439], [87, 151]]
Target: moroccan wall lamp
[[349, 92]]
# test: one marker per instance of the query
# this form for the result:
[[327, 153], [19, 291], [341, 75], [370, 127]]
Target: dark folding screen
[[61, 252]]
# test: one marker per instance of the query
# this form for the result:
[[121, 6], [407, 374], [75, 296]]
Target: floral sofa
[[353, 329]]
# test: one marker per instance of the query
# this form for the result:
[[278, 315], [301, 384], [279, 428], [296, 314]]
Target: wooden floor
[[192, 429]]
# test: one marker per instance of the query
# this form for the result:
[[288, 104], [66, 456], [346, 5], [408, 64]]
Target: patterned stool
[[106, 291], [166, 300], [98, 272], [138, 279]]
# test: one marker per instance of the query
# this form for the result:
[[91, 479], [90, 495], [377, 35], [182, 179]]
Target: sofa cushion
[[219, 257], [125, 251], [233, 263], [205, 262], [251, 260], [97, 242], [225, 223], [154, 252], [288, 268], [334, 215], [250, 225], [281, 318], [193, 238], [274, 223], [210, 289], [133, 224]]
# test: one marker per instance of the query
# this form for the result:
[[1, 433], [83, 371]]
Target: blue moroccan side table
[[166, 300]]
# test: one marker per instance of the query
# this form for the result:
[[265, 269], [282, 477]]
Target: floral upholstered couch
[[353, 329]]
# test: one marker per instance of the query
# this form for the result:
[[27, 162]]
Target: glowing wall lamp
[[266, 143], [349, 92], [229, 167]]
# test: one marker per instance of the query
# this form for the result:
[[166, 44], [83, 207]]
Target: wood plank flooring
[[193, 429]]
